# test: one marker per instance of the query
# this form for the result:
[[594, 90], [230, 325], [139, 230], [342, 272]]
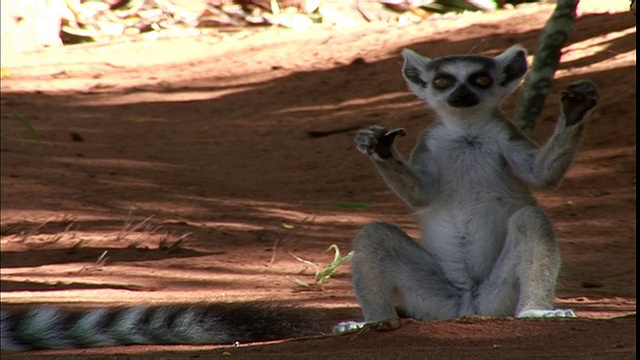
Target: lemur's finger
[[364, 138], [395, 132], [385, 142], [377, 130], [390, 135], [367, 150]]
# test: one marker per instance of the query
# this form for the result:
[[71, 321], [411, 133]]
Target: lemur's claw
[[396, 132]]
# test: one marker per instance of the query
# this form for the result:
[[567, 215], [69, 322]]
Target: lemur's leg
[[524, 276], [386, 263]]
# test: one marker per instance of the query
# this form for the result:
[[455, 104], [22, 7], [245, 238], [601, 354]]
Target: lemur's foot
[[554, 313], [346, 327], [377, 140], [577, 99]]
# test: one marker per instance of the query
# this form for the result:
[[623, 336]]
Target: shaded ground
[[191, 169]]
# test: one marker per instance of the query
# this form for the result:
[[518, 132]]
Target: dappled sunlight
[[221, 280], [370, 102], [228, 275], [117, 163], [160, 93], [179, 270], [129, 182], [600, 307], [281, 211], [602, 48], [237, 226], [583, 229], [321, 218], [106, 296], [39, 216]]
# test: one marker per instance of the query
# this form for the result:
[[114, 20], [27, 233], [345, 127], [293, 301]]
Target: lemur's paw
[[346, 327], [554, 313], [377, 140], [577, 99]]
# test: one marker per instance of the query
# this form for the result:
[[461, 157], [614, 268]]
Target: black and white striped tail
[[218, 323]]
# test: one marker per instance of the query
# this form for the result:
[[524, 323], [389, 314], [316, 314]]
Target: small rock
[[591, 284], [76, 137]]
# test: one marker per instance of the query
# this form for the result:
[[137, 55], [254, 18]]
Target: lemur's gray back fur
[[48, 327]]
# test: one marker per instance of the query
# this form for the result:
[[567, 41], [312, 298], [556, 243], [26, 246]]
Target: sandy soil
[[192, 169]]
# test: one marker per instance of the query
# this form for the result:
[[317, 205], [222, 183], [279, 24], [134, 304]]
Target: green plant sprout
[[27, 124], [323, 274]]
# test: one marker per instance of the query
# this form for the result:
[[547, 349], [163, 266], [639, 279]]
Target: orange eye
[[483, 81], [442, 82]]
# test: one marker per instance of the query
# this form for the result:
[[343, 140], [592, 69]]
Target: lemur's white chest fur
[[465, 223]]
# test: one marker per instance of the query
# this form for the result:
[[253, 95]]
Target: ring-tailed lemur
[[486, 245], [217, 323]]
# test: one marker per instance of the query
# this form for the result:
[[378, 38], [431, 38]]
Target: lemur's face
[[458, 83]]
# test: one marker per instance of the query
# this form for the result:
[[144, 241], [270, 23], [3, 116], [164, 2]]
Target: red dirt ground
[[207, 141]]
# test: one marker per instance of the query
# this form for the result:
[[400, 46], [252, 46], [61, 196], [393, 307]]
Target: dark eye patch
[[443, 81], [480, 80]]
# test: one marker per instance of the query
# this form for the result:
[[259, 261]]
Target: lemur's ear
[[414, 67], [512, 65]]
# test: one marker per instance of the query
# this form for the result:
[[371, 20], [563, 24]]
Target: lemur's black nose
[[462, 96]]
